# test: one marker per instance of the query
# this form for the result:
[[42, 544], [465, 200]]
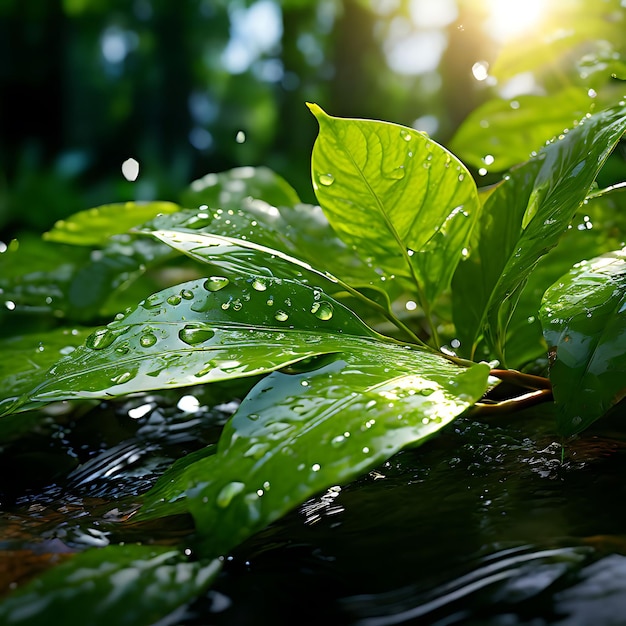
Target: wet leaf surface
[[584, 321], [396, 197]]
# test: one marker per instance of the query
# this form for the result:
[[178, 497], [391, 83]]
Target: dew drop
[[215, 283], [122, 378], [281, 316], [193, 334], [227, 493], [152, 302], [185, 294], [237, 305], [259, 284], [326, 179], [322, 310], [148, 339], [405, 134], [174, 300], [100, 339], [123, 348], [316, 467]]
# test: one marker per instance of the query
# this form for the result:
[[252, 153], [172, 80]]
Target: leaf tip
[[317, 110]]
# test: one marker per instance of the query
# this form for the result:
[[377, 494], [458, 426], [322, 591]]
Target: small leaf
[[584, 323], [297, 434], [404, 202], [124, 585], [94, 227]]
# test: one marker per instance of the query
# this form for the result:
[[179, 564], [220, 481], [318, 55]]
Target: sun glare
[[511, 18]]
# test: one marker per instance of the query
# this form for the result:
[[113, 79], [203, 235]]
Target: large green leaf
[[94, 227], [401, 200], [125, 585], [503, 133], [297, 434], [584, 320], [521, 221], [201, 331]]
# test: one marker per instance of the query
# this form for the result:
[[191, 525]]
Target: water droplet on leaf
[[174, 300], [215, 283], [322, 310], [148, 339], [326, 179], [259, 284], [100, 339], [193, 334], [405, 134], [281, 316]]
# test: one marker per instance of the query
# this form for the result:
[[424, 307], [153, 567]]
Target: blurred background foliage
[[202, 86]]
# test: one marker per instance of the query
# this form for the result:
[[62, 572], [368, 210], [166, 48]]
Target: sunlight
[[510, 18]]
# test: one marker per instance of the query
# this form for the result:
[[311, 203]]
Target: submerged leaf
[[584, 323], [297, 434]]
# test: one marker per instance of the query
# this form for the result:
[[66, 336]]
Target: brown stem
[[516, 403], [528, 381]]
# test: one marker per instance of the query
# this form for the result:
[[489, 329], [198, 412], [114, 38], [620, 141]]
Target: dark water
[[485, 524]]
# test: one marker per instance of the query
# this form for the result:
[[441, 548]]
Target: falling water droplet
[[326, 179], [100, 339], [322, 310], [148, 339], [259, 284], [193, 334], [215, 283], [227, 493], [281, 316]]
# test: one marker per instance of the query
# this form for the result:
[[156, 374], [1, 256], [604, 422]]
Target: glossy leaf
[[125, 585], [404, 202], [228, 190], [521, 221], [502, 133], [297, 434], [25, 359], [584, 322], [94, 227], [203, 331]]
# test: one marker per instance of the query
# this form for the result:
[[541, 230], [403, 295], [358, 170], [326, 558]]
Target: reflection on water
[[481, 525]]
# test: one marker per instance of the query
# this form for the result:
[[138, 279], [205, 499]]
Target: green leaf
[[124, 585], [521, 221], [503, 133], [584, 322], [568, 30], [404, 202], [203, 331], [27, 358], [297, 434], [94, 227], [227, 190]]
